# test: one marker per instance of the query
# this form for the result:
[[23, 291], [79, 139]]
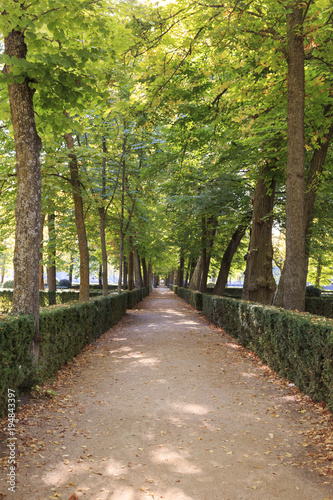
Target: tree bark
[[137, 269], [312, 185], [125, 278], [79, 220], [228, 255], [319, 270], [196, 276], [70, 271], [180, 273], [102, 214], [41, 267], [145, 272], [51, 265], [209, 231], [295, 273], [130, 267], [28, 201], [259, 285]]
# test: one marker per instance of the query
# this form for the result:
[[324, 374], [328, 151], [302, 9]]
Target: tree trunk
[[150, 275], [137, 269], [260, 285], [79, 220], [229, 253], [41, 267], [130, 267], [319, 270], [28, 201], [209, 231], [122, 235], [180, 273], [51, 265], [295, 274], [70, 271], [102, 214], [196, 277], [145, 272], [312, 185], [125, 279]]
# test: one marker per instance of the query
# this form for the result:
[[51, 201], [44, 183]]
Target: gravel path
[[166, 406]]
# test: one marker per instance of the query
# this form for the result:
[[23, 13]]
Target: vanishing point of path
[[165, 406]]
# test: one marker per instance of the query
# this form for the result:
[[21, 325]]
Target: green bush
[[193, 298], [64, 330], [8, 284], [312, 291], [297, 346], [16, 333], [322, 306]]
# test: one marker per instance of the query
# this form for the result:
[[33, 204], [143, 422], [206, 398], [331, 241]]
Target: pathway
[[165, 406]]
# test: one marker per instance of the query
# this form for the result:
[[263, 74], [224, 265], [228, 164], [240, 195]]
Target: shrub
[[16, 333], [320, 306], [312, 291], [65, 283], [297, 346], [8, 284], [64, 329]]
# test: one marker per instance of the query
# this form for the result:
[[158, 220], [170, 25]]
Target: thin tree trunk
[[70, 271], [209, 231], [79, 220], [51, 265], [228, 255], [122, 235], [125, 279], [102, 219], [319, 270], [196, 277], [137, 269], [145, 272], [41, 267], [295, 274], [150, 274], [28, 200], [260, 284], [130, 267], [180, 273], [102, 214]]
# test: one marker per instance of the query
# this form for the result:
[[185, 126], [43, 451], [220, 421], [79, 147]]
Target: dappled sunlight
[[192, 409], [249, 375], [175, 460], [234, 346], [123, 493]]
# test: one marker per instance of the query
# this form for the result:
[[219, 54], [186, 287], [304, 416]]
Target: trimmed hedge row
[[46, 298], [297, 346], [65, 330], [322, 306]]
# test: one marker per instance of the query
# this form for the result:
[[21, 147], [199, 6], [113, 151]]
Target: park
[[166, 248]]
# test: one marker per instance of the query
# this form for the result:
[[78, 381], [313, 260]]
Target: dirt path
[[166, 406]]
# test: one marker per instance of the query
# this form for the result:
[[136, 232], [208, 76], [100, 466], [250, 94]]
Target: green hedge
[[191, 297], [297, 346], [322, 306], [16, 333], [46, 298], [64, 329]]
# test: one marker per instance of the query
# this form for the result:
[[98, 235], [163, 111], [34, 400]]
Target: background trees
[[163, 131]]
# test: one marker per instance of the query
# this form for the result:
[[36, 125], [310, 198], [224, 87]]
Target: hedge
[[298, 346], [46, 298], [64, 329]]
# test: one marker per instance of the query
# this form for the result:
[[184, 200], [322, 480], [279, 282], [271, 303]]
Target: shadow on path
[[166, 406]]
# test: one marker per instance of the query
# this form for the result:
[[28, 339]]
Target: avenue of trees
[[190, 138]]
